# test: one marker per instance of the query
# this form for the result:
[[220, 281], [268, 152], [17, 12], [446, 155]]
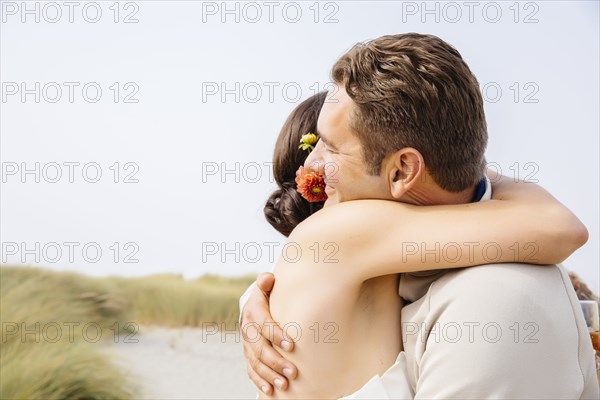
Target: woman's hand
[[565, 232]]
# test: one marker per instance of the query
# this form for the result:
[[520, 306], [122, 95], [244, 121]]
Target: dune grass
[[51, 321], [170, 300]]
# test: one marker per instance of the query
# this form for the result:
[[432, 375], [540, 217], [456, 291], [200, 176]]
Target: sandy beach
[[184, 363]]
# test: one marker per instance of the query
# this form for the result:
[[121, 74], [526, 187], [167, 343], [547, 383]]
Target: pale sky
[[201, 93]]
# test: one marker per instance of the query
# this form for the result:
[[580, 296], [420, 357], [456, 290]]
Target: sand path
[[184, 363]]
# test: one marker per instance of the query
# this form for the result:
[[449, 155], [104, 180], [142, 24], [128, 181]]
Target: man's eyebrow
[[326, 141]]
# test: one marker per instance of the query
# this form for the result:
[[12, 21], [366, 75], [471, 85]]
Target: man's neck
[[429, 194]]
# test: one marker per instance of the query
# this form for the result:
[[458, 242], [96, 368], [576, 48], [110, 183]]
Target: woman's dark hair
[[286, 208]]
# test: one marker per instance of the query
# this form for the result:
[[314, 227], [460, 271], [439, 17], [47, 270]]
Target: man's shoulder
[[514, 279], [500, 312], [503, 273], [512, 283], [503, 293]]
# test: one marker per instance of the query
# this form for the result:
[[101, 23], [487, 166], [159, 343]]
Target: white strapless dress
[[393, 384]]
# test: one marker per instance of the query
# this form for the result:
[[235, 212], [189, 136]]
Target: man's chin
[[331, 200]]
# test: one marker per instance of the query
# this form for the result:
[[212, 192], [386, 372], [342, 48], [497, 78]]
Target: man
[[409, 104]]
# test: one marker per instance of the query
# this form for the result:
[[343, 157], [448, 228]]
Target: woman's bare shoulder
[[341, 221]]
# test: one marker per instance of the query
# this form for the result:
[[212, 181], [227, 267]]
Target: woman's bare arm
[[368, 238]]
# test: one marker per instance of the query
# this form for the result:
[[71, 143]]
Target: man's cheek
[[331, 170]]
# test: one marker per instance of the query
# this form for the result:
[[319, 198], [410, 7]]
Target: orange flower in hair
[[311, 185]]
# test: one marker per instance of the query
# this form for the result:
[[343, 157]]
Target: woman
[[347, 259]]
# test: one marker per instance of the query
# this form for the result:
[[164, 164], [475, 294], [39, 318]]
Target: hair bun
[[286, 208]]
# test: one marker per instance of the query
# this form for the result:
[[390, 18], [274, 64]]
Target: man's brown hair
[[414, 90]]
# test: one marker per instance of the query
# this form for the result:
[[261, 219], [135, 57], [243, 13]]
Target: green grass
[[170, 300], [44, 353]]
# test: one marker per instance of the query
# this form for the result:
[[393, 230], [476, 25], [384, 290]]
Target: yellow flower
[[307, 141], [309, 138]]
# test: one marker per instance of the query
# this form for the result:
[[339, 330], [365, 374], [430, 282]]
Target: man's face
[[338, 155]]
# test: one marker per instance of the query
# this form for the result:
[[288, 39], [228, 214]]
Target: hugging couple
[[377, 300]]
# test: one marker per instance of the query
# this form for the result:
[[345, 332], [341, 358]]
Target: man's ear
[[405, 168]]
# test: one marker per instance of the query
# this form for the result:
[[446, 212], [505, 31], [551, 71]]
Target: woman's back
[[345, 331]]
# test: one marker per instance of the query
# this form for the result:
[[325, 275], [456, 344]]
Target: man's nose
[[314, 161]]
